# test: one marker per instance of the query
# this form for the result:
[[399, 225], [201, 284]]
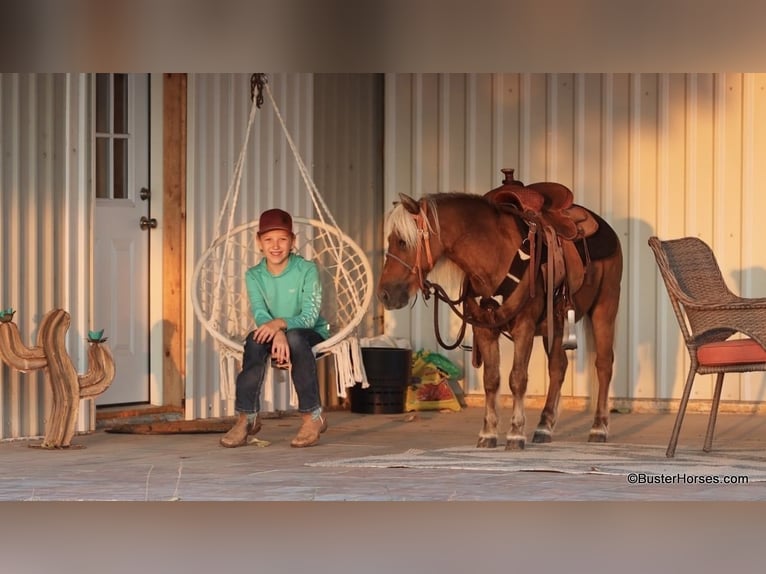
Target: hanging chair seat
[[221, 304], [219, 292]]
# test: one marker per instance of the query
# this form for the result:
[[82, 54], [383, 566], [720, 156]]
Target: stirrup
[[569, 340]]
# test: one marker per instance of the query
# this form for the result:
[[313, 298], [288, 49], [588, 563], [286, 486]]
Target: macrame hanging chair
[[219, 294]]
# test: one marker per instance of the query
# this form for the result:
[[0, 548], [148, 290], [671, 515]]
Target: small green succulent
[[96, 336]]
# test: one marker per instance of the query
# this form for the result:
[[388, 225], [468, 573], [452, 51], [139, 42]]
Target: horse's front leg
[[487, 352], [515, 439], [557, 368]]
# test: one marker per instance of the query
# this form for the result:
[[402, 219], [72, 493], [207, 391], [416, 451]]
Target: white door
[[121, 231]]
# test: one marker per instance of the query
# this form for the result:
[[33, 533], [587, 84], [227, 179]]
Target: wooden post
[[174, 238], [51, 355]]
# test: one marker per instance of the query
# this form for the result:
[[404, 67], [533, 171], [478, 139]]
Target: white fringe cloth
[[348, 363]]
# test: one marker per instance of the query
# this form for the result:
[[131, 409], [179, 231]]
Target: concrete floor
[[140, 467]]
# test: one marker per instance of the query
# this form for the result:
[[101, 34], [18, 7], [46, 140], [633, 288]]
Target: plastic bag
[[439, 361], [432, 391], [428, 396]]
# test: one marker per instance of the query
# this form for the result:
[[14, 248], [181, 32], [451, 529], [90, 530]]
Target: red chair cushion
[[734, 352]]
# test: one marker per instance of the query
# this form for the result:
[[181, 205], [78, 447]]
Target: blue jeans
[[257, 358]]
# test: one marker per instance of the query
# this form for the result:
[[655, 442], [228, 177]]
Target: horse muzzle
[[394, 296]]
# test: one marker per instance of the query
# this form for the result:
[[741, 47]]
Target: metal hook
[[257, 82]]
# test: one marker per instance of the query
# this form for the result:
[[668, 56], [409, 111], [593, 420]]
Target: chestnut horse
[[485, 240]]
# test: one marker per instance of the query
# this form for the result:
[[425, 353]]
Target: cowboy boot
[[308, 434], [237, 435]]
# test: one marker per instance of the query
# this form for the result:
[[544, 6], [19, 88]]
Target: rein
[[441, 295]]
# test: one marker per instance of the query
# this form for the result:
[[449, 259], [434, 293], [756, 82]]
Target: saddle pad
[[601, 244]]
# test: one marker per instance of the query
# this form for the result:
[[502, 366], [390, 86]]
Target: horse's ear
[[409, 204]]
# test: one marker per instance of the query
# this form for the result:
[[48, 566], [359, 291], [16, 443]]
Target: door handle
[[147, 222]]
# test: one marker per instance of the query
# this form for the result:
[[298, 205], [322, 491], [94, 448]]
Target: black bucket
[[388, 372]]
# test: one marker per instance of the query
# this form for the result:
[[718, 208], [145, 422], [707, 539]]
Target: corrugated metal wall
[[329, 113], [44, 229], [348, 162], [665, 154], [656, 154]]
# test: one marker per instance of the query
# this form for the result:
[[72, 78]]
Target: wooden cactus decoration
[[68, 387]]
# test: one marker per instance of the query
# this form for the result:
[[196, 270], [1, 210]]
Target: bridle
[[422, 244]]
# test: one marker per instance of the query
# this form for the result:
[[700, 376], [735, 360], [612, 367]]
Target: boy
[[285, 298]]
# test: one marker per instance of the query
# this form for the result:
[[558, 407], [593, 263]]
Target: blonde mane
[[400, 221]]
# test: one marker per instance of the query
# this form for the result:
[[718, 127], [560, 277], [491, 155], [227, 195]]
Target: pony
[[515, 282]]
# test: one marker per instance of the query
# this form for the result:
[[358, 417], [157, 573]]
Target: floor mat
[[574, 458]]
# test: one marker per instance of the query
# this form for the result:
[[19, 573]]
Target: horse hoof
[[542, 436], [515, 444], [597, 436], [487, 442]]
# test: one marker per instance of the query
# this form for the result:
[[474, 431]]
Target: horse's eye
[[402, 244]]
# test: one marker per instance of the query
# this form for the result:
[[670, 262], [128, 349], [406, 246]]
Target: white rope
[[316, 198], [234, 188], [349, 367], [227, 363], [360, 376]]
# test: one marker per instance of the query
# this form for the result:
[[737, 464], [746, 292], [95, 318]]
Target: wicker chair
[[709, 314]]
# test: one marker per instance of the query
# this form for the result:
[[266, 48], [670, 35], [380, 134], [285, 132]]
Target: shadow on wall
[[755, 279], [636, 346]]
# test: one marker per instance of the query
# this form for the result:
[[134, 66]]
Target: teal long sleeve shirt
[[294, 295]]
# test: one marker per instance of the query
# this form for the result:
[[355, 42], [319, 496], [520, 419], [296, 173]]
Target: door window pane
[[102, 168], [120, 103], [120, 168], [102, 103]]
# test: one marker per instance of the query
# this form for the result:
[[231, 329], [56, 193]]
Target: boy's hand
[[267, 331], [280, 350]]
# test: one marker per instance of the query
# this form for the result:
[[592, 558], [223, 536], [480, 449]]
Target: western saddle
[[554, 224]]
